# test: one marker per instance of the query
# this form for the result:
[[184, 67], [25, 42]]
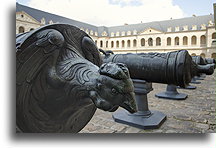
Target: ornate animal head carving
[[114, 88]]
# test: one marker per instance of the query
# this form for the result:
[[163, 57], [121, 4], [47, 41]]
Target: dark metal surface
[[169, 68], [143, 118], [171, 93], [59, 82]]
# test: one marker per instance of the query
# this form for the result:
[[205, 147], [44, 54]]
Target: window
[[168, 41], [101, 43], [202, 55], [117, 44], [21, 29], [213, 55], [134, 43], [203, 40], [158, 41], [123, 43], [112, 44], [185, 40], [150, 42], [128, 43], [142, 42], [176, 40], [213, 35], [193, 40]]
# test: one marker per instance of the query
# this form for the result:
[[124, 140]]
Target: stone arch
[[123, 43], [21, 29], [202, 55], [203, 40], [168, 41], [31, 29], [185, 40], [117, 44], [150, 42], [193, 40], [193, 54], [158, 41], [128, 43], [213, 55], [142, 42], [134, 43], [176, 40]]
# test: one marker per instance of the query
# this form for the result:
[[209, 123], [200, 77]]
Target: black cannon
[[60, 80], [173, 68]]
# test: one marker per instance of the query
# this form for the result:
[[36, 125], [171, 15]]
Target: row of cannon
[[62, 79]]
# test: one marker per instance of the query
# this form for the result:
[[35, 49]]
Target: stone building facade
[[196, 34]]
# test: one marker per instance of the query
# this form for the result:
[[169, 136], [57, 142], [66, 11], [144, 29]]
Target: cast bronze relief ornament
[[60, 80]]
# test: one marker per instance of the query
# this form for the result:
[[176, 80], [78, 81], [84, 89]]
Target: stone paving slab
[[196, 114]]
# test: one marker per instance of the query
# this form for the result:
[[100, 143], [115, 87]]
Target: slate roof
[[158, 25]]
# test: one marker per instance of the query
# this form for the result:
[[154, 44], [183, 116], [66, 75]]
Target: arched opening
[[123, 43], [134, 43], [96, 42], [21, 29], [213, 55], [193, 40], [117, 44], [185, 40], [203, 40], [176, 40], [128, 43], [150, 42], [168, 41], [31, 29], [106, 44], [112, 44], [101, 43], [214, 35], [142, 42], [202, 55], [158, 41], [193, 54]]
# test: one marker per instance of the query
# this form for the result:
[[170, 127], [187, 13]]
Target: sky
[[119, 12]]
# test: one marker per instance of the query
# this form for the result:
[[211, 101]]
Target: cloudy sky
[[119, 12]]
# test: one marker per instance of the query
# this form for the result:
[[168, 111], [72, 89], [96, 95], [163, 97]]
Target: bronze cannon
[[60, 80]]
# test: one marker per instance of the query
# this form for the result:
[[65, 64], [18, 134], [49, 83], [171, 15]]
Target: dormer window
[[134, 32], [91, 32], [129, 33], [203, 26], [176, 28], [185, 28], [117, 33], [112, 34], [210, 23], [96, 34], [43, 21], [194, 27], [87, 31], [50, 22], [169, 29], [123, 33], [104, 33]]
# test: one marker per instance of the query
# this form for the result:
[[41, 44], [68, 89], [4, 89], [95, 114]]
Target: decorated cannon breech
[[60, 80], [170, 68]]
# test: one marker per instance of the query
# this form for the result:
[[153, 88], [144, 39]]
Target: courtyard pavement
[[196, 114]]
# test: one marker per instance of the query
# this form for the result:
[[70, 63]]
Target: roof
[[158, 25]]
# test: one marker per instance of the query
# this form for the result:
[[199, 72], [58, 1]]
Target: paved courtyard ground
[[196, 114]]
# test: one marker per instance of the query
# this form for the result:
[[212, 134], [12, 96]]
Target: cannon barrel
[[170, 68], [207, 69], [210, 61]]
